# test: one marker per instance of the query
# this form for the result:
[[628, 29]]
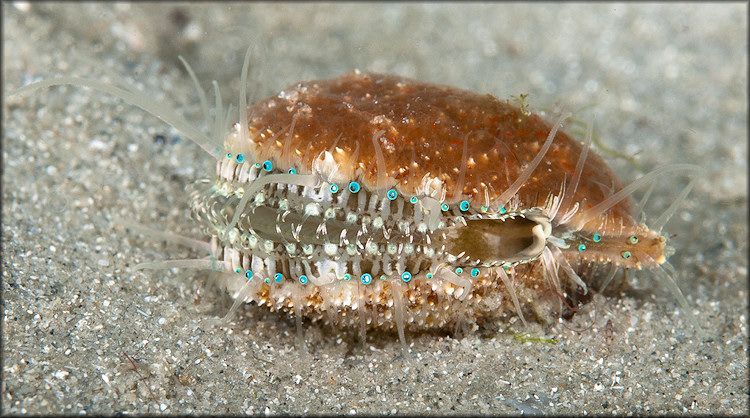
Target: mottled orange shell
[[426, 128]]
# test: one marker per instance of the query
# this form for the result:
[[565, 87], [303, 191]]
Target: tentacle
[[136, 98], [240, 298], [167, 236], [361, 313], [549, 265], [563, 262], [664, 217], [199, 89], [669, 282], [458, 191], [398, 310], [382, 170], [642, 203], [521, 180], [207, 263], [250, 189], [573, 185], [512, 290], [611, 275], [297, 298], [244, 133], [446, 274], [616, 198]]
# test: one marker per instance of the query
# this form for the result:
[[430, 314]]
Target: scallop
[[377, 201]]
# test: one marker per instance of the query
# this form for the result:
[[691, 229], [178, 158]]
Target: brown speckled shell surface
[[424, 128]]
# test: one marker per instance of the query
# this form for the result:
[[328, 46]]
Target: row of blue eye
[[365, 278], [267, 165], [392, 194], [354, 187], [597, 238], [406, 277]]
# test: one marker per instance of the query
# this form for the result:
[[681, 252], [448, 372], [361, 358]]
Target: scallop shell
[[377, 201], [374, 200]]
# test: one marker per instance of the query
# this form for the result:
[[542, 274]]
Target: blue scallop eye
[[464, 205], [429, 275], [444, 207], [392, 194], [278, 277], [240, 158], [413, 199], [406, 276], [347, 277], [229, 155], [268, 166], [626, 254], [597, 237], [581, 248], [292, 171], [502, 209], [633, 239], [248, 274], [459, 270], [474, 272], [334, 188], [366, 278], [303, 279], [354, 187]]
